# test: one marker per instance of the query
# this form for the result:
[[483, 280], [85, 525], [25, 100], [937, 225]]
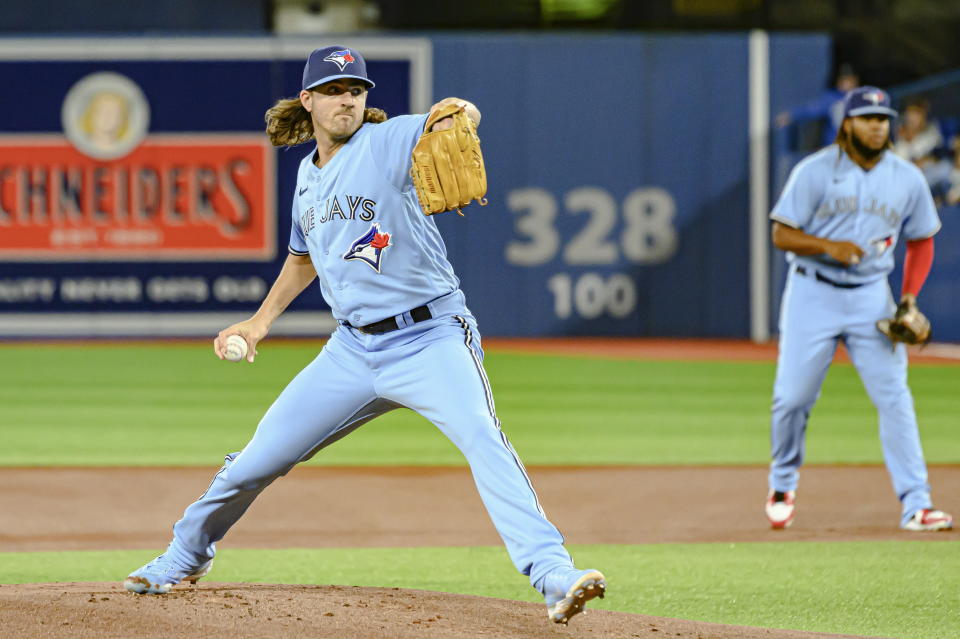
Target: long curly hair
[[289, 124]]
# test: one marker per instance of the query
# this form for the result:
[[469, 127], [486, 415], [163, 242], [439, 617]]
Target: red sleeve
[[916, 265]]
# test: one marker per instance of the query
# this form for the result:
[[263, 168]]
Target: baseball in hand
[[236, 348]]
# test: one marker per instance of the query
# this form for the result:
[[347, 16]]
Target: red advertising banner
[[173, 197]]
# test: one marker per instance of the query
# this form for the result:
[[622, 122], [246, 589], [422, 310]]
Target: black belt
[[419, 314], [802, 270]]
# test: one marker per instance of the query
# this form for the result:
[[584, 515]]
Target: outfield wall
[[618, 166]]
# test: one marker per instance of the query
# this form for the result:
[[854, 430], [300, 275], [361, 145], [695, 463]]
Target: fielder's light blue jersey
[[376, 254], [828, 195]]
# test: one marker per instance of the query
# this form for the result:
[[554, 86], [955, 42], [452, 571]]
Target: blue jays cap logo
[[341, 58], [369, 247], [867, 101], [332, 63]]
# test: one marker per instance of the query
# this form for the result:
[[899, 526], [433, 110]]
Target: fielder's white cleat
[[928, 520], [780, 508]]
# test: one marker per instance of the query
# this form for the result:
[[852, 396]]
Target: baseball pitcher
[[362, 226]]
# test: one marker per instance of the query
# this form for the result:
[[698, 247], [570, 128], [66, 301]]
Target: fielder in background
[[839, 217], [405, 336]]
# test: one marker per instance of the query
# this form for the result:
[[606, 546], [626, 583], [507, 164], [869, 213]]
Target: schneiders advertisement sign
[[135, 200], [105, 188]]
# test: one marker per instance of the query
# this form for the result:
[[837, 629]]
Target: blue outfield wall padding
[[618, 172]]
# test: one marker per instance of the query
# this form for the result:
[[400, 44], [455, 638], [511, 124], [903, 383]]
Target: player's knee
[[253, 482], [789, 400], [247, 476], [898, 399], [473, 430]]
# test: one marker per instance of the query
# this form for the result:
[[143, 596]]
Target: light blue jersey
[[830, 196], [376, 254]]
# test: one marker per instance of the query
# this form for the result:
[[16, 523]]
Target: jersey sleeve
[[921, 219], [391, 144], [298, 243], [799, 199]]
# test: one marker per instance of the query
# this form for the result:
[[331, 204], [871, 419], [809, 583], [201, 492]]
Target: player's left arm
[[916, 266], [392, 142], [921, 223]]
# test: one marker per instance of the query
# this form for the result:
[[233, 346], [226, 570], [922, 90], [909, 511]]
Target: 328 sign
[[646, 235], [638, 231]]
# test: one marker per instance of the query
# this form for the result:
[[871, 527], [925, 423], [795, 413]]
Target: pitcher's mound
[[260, 611]]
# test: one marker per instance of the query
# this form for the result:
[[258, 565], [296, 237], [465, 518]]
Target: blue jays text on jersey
[[358, 207], [851, 204]]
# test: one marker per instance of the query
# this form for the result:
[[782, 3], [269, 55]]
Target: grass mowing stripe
[[175, 404], [902, 589]]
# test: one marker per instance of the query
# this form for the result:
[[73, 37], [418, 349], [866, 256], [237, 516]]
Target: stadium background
[[631, 165], [592, 225]]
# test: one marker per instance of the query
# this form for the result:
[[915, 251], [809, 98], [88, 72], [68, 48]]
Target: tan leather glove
[[447, 167], [908, 324]]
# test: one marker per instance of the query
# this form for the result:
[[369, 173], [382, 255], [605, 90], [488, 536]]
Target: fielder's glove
[[908, 324], [447, 167]]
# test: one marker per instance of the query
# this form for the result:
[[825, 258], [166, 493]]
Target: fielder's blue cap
[[867, 101], [333, 63]]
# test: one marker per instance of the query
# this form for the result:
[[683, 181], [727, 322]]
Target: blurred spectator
[[827, 107], [944, 176], [953, 194], [918, 137]]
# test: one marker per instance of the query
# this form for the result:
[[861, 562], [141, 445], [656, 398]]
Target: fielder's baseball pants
[[814, 317]]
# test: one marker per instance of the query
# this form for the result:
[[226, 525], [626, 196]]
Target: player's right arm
[[297, 273], [796, 208], [392, 142], [786, 238]]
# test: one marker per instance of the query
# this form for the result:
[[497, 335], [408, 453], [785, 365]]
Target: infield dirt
[[250, 611], [120, 508], [91, 508]]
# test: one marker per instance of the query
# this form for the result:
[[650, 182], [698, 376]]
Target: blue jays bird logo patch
[[882, 244], [369, 247], [340, 58]]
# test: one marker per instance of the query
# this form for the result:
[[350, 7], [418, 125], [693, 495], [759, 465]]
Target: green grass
[[175, 404], [878, 588]]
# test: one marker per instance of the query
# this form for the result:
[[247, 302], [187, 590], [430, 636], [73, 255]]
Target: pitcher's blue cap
[[333, 63], [867, 101]]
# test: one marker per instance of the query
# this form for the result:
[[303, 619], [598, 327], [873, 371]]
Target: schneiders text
[[111, 195]]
